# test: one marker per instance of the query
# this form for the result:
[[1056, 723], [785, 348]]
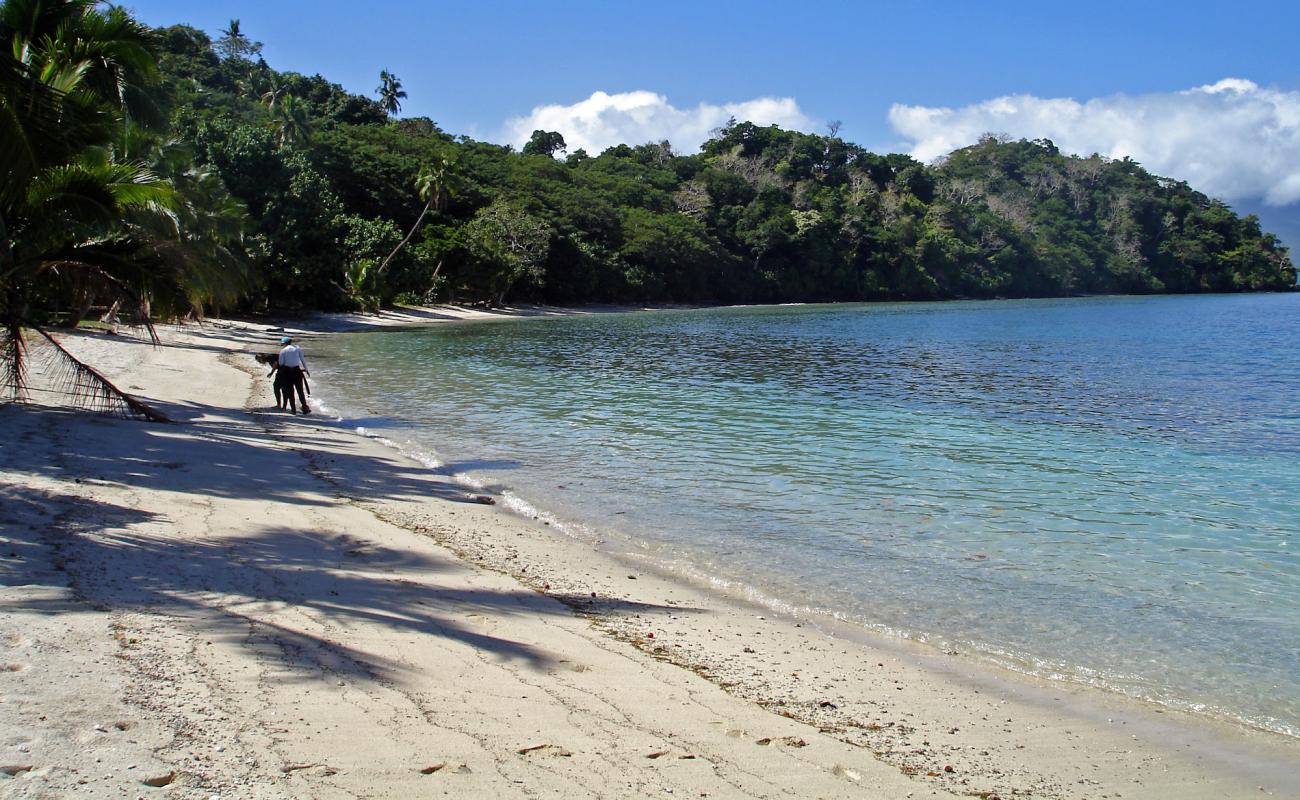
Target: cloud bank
[[604, 120], [1233, 139]]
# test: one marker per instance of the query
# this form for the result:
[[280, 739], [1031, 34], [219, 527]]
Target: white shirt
[[291, 356]]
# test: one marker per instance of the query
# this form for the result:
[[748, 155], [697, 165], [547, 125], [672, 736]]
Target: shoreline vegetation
[[247, 604], [164, 172], [279, 607]]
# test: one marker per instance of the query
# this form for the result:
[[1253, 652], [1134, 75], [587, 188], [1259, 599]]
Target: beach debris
[[765, 741], [549, 748], [687, 757], [827, 704], [287, 768], [432, 768], [482, 498], [844, 772], [160, 779], [15, 769], [657, 754], [650, 634], [793, 741]]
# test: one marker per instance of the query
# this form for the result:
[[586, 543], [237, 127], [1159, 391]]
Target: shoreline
[[924, 723], [764, 599], [792, 598]]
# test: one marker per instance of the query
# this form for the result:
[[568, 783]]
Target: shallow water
[[1095, 489]]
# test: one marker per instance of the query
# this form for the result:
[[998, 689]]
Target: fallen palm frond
[[89, 389]]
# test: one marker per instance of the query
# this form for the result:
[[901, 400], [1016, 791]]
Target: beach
[[249, 604]]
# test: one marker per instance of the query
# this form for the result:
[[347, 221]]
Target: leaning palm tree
[[431, 185], [79, 215], [390, 92]]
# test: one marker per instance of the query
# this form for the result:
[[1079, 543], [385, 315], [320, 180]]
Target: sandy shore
[[246, 604]]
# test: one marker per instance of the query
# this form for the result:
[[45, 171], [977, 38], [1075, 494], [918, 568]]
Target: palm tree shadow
[[277, 590], [216, 455]]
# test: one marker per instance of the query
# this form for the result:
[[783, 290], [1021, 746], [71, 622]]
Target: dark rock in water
[[484, 499]]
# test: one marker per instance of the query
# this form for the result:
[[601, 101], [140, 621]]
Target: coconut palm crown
[[88, 212]]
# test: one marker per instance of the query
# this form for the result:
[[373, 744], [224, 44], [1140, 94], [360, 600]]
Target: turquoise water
[[1100, 490]]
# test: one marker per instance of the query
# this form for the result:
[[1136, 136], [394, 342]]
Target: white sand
[[260, 606]]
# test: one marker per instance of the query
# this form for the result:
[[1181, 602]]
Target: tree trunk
[[110, 316], [83, 308], [428, 205]]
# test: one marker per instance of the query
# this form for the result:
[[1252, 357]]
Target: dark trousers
[[293, 381]]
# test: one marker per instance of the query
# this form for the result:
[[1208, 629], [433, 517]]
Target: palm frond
[[13, 360], [96, 191], [89, 389]]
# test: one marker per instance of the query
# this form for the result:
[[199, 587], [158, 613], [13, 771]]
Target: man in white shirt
[[293, 369]]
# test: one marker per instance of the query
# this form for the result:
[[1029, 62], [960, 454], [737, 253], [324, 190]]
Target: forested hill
[[333, 182]]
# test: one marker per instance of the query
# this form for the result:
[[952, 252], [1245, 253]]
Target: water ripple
[[1100, 489]]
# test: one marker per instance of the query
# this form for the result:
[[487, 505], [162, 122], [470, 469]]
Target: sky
[[1207, 92]]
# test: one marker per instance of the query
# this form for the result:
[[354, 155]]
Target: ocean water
[[1100, 490]]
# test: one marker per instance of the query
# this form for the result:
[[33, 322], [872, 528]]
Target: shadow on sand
[[238, 587]]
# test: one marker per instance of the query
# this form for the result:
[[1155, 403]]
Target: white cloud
[[1233, 139], [604, 120]]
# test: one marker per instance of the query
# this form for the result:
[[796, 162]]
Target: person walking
[[293, 374]]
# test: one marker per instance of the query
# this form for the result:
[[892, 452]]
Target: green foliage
[[544, 143], [234, 44], [761, 214], [390, 92], [507, 245], [96, 207]]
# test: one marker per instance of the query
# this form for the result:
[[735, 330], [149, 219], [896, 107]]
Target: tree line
[[162, 171], [353, 207]]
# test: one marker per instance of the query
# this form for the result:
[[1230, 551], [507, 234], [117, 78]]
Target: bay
[[1098, 490]]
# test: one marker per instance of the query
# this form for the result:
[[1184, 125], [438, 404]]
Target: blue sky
[[1120, 78], [471, 65]]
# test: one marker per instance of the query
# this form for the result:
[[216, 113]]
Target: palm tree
[[234, 44], [431, 187], [390, 92], [79, 215], [272, 96], [290, 120]]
